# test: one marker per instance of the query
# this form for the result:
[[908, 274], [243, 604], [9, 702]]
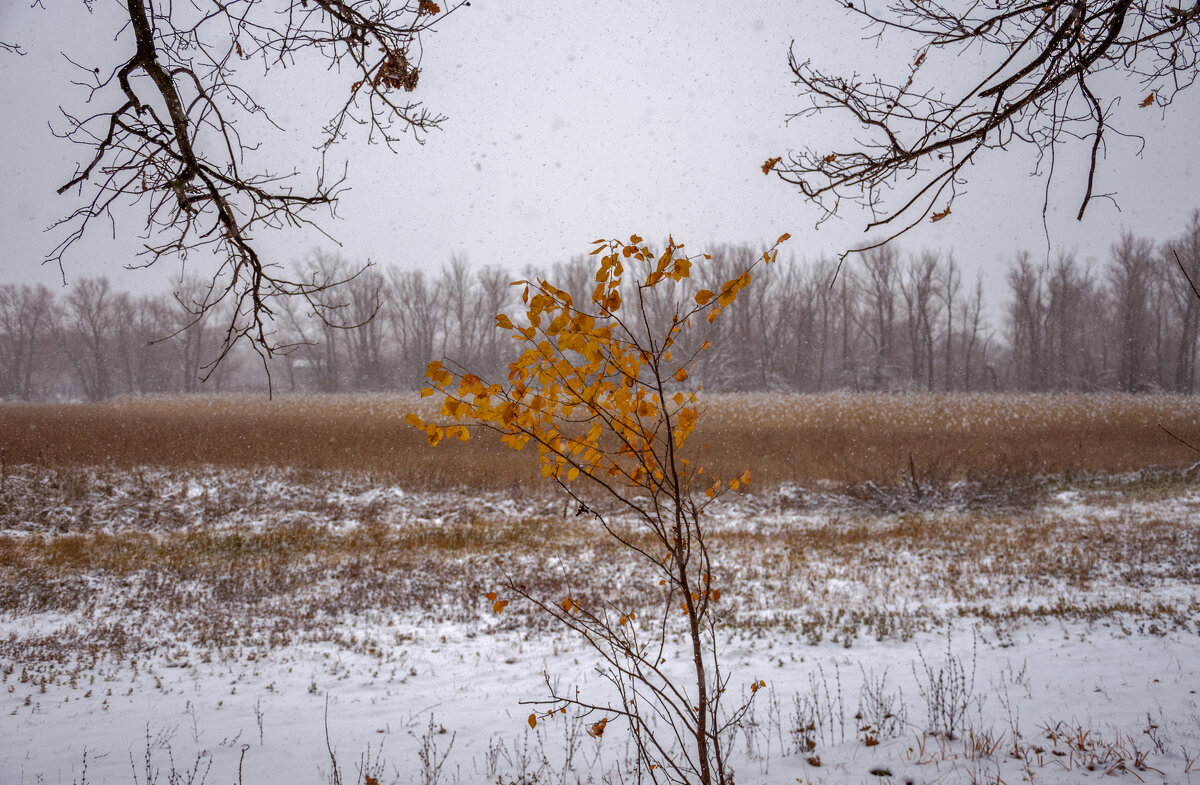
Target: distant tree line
[[889, 321]]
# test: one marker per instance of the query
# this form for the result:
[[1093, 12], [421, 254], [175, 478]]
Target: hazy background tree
[[890, 321], [28, 319]]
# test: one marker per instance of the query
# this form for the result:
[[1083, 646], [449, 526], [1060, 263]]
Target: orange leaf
[[681, 375], [783, 238], [1147, 101], [499, 606], [939, 216], [596, 730], [770, 164], [703, 296], [492, 596], [533, 720], [504, 321]]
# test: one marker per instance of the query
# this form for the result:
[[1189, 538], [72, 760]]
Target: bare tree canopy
[[1040, 72], [177, 124]]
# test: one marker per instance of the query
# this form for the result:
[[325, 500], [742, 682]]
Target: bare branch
[[1037, 87], [171, 146]]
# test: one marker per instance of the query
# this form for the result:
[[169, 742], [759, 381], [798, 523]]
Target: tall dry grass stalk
[[841, 438]]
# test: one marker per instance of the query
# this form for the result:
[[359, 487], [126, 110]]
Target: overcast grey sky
[[570, 121]]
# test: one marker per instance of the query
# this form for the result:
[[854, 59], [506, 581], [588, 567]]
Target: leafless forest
[[890, 321]]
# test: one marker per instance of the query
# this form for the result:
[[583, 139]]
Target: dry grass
[[804, 439], [229, 522], [232, 561]]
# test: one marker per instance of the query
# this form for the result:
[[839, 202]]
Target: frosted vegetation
[[183, 615]]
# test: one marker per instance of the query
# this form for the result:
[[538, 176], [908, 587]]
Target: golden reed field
[[838, 439]]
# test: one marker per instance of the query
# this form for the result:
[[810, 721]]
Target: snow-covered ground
[[1062, 645]]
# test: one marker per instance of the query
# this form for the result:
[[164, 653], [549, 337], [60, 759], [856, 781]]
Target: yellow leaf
[[704, 296], [414, 421], [681, 375], [504, 321], [770, 164], [733, 486], [499, 606], [533, 720], [426, 392], [939, 216], [746, 477]]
